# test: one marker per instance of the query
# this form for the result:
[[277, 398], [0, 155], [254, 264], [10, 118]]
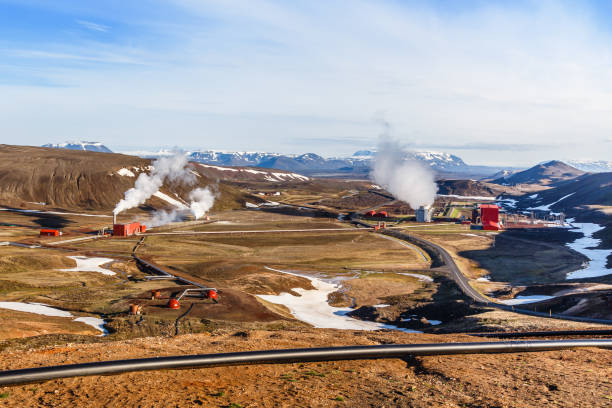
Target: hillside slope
[[468, 188], [545, 174], [573, 196], [84, 180]]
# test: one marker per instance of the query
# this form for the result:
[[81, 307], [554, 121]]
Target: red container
[[49, 233], [123, 230], [174, 304], [213, 295]]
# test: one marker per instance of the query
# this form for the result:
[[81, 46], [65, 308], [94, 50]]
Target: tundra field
[[291, 276]]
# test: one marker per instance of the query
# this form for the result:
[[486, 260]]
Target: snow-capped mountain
[[313, 164], [592, 166], [90, 146]]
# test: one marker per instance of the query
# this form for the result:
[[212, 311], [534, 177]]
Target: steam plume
[[202, 199], [173, 168], [162, 217], [407, 179]]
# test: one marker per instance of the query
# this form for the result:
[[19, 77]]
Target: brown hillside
[[83, 180]]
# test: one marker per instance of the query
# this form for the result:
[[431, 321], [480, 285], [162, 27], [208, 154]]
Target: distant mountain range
[[357, 165], [446, 165], [89, 146], [592, 166]]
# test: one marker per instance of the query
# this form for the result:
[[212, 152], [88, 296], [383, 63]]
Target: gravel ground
[[578, 378]]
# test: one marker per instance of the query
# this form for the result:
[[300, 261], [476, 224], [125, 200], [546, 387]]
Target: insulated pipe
[[507, 335], [288, 356]]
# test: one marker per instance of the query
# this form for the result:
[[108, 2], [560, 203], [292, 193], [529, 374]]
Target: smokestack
[[114, 218]]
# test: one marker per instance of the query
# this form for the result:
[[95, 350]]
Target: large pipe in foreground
[[288, 356]]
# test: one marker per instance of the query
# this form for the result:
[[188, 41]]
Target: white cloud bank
[[269, 75]]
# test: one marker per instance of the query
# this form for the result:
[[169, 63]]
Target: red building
[[489, 216], [123, 230], [50, 233]]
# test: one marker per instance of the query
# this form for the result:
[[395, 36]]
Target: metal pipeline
[[289, 356]]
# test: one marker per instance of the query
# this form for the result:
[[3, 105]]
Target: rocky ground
[[577, 378]]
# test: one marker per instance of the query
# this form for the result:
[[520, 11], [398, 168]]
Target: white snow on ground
[[125, 172], [547, 206], [251, 205], [467, 197], [434, 322], [598, 257], [35, 308], [533, 196], [418, 276], [93, 322], [312, 307], [381, 305], [217, 167], [85, 264], [171, 200], [255, 171], [520, 300], [507, 202], [41, 309], [486, 278], [55, 212]]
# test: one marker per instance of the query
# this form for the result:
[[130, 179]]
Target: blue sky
[[511, 83]]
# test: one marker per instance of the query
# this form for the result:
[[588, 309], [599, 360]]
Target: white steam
[[202, 199], [162, 217], [173, 168], [407, 179]]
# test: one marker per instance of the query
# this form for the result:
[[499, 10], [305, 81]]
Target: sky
[[494, 82]]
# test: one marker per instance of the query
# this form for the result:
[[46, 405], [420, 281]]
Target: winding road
[[464, 284]]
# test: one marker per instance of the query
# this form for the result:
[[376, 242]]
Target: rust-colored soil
[[579, 378]]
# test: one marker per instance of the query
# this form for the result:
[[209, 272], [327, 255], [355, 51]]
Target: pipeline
[[38, 374], [510, 335]]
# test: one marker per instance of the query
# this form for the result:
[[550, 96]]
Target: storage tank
[[423, 214]]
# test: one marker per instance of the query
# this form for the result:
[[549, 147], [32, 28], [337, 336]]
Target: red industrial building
[[50, 233], [489, 217], [123, 230]]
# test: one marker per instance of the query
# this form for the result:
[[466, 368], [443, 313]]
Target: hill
[[574, 196], [544, 174], [89, 146], [85, 180], [468, 188]]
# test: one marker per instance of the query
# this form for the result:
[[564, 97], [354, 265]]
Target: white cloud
[[93, 26], [264, 75]]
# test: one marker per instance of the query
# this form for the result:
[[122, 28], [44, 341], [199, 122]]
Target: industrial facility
[[486, 215], [423, 214], [124, 230]]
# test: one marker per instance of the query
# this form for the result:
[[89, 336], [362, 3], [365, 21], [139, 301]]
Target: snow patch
[[171, 200], [598, 257], [42, 309], [312, 307], [520, 300], [418, 276], [125, 172], [85, 264]]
